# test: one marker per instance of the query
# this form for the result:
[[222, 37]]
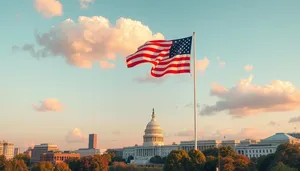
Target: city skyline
[[59, 90]]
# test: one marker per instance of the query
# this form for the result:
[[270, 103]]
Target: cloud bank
[[294, 119], [49, 105], [91, 39], [75, 136], [49, 8], [247, 99]]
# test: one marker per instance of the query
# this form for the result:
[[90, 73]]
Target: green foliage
[[227, 152], [281, 167], [62, 166], [211, 152], [211, 163], [157, 160], [24, 157], [42, 166], [177, 160], [288, 154], [197, 160], [121, 166], [74, 164]]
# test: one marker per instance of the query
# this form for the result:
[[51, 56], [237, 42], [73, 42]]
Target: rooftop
[[280, 137]]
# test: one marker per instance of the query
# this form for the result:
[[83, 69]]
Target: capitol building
[[153, 145]]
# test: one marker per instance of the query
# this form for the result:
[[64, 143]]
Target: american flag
[[166, 56]]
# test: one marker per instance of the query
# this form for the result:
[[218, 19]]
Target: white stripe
[[148, 53], [173, 62], [163, 43], [171, 68]]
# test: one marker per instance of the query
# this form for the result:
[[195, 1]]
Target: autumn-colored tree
[[3, 162], [281, 167], [108, 157], [227, 164], [197, 160], [74, 164], [288, 154], [42, 166], [241, 163], [16, 165], [24, 157], [62, 166], [211, 163], [95, 163], [227, 151], [177, 160]]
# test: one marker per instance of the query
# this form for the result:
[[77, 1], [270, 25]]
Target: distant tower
[[93, 141]]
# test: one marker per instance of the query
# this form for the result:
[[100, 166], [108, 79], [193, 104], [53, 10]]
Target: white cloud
[[49, 105], [85, 3], [75, 136], [49, 8], [246, 99], [248, 67], [91, 39], [202, 64]]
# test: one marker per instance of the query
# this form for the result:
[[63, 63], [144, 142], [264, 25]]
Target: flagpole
[[195, 105]]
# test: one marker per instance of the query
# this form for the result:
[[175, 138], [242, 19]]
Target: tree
[[24, 157], [3, 162], [227, 164], [156, 160], [211, 163], [74, 164], [281, 167], [62, 166], [288, 154], [211, 152], [16, 165], [197, 160], [265, 162], [129, 159], [227, 151], [177, 160], [241, 163], [42, 166], [95, 163]]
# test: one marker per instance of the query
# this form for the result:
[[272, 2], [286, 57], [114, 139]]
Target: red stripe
[[170, 72], [147, 56], [148, 49], [155, 63], [171, 65]]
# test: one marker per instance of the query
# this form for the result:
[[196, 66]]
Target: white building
[[257, 148], [90, 151], [40, 149], [153, 144], [7, 149]]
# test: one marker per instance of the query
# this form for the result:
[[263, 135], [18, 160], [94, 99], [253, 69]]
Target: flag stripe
[[170, 72], [162, 60]]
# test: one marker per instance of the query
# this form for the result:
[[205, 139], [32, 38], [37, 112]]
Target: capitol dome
[[153, 133]]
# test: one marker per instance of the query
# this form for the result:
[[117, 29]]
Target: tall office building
[[17, 151], [7, 149], [93, 141]]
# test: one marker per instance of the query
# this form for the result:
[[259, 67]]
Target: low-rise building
[[58, 156], [40, 149], [16, 151], [88, 152]]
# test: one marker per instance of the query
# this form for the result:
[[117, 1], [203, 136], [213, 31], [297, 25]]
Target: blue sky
[[112, 104]]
